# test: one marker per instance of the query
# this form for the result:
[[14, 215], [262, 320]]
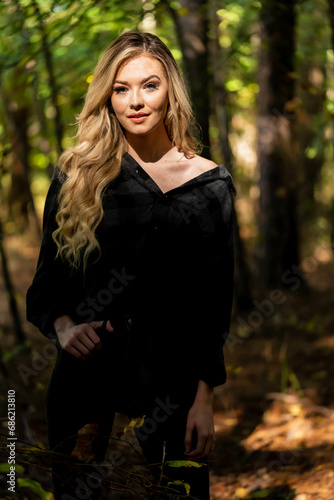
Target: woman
[[135, 274]]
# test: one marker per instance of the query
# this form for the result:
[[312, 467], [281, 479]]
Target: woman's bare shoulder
[[202, 164]]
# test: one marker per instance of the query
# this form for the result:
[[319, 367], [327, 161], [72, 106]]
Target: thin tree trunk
[[10, 292], [331, 18], [278, 247], [191, 24], [48, 59], [3, 370], [40, 116], [312, 76], [17, 132]]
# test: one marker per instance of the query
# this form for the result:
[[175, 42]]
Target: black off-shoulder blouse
[[167, 263]]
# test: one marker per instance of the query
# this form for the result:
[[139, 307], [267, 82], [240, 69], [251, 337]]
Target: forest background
[[260, 74]]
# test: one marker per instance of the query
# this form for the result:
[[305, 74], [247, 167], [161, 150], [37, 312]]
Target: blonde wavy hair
[[95, 160]]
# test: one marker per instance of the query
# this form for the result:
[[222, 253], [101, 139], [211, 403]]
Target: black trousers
[[81, 402]]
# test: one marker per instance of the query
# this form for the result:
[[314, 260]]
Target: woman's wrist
[[62, 323], [204, 393]]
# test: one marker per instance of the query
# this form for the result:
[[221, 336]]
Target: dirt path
[[271, 444]]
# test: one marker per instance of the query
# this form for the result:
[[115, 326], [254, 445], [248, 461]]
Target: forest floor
[[274, 418]]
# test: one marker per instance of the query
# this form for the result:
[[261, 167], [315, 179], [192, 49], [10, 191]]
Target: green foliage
[[75, 33], [6, 468], [186, 485], [35, 487], [69, 35], [184, 463], [48, 51], [260, 494], [11, 354], [268, 493], [239, 42]]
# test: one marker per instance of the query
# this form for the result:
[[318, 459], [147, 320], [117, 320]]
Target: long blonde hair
[[95, 160]]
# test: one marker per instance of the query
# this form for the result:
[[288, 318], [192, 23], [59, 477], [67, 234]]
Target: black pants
[[84, 396]]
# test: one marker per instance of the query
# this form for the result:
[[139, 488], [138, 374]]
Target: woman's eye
[[151, 86], [119, 90]]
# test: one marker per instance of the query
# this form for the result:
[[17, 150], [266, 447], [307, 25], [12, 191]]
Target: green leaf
[[15, 351], [6, 468], [260, 494], [186, 485], [183, 463], [24, 482], [134, 424]]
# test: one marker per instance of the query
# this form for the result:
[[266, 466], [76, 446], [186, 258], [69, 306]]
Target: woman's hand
[[80, 340], [200, 417]]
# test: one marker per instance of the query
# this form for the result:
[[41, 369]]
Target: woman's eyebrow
[[143, 81]]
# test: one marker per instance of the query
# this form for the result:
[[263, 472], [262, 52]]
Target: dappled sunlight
[[244, 143]]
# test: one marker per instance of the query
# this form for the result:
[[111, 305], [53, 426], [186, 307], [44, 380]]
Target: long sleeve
[[216, 285], [46, 297]]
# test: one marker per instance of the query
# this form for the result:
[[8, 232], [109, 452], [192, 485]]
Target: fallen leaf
[[83, 447], [135, 423], [240, 493], [183, 463], [186, 485]]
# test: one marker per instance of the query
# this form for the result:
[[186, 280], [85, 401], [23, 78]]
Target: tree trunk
[[48, 59], [242, 276], [278, 247], [191, 24], [20, 193], [40, 116], [312, 93], [331, 18], [10, 292]]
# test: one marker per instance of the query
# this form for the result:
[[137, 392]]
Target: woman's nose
[[136, 100]]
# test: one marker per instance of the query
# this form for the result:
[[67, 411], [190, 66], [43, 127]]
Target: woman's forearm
[[204, 393]]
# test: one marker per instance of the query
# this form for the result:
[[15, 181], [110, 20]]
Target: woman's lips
[[138, 119]]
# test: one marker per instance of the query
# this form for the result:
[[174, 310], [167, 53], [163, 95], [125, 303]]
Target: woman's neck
[[149, 148]]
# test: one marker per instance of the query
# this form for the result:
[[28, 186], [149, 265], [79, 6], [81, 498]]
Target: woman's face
[[140, 95]]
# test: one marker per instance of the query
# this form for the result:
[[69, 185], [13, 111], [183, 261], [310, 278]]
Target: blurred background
[[260, 74]]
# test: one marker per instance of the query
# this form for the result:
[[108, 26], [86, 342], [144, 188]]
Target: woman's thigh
[[162, 435], [79, 392], [80, 410]]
